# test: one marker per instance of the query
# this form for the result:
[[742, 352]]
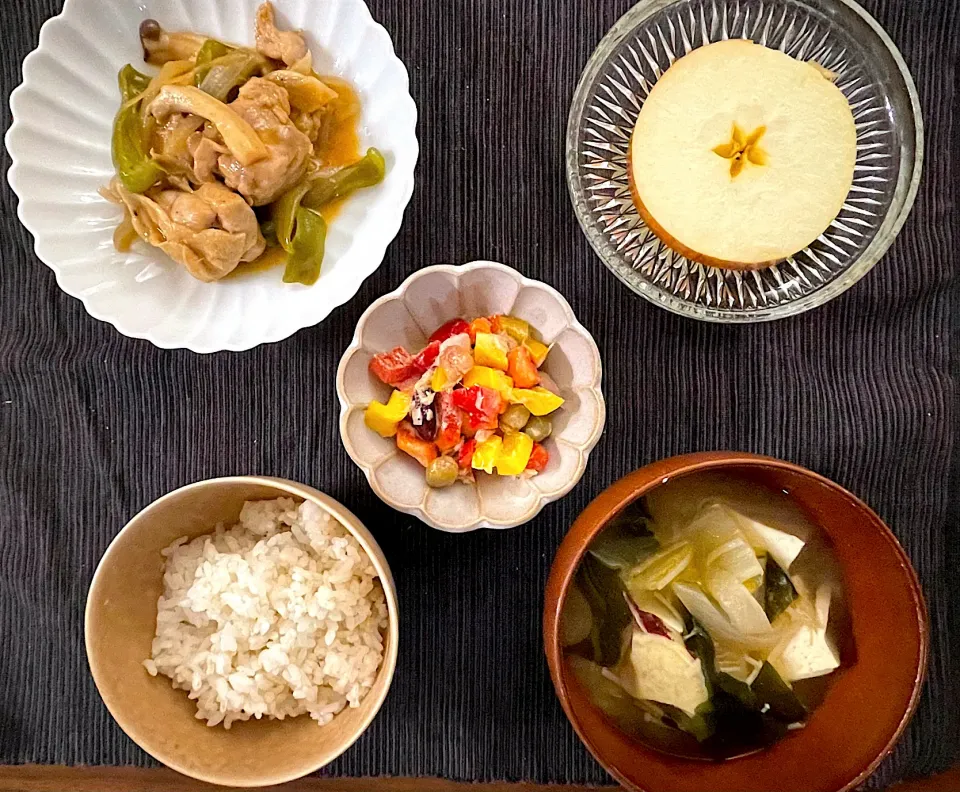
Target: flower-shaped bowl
[[407, 317]]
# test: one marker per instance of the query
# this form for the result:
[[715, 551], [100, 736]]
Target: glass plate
[[840, 36]]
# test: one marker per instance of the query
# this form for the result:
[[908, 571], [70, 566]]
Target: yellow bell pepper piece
[[383, 418], [490, 350], [517, 329], [537, 349], [538, 400], [439, 379], [488, 378], [514, 454], [485, 455]]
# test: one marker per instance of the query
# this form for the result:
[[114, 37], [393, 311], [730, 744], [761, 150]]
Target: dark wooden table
[[100, 779]]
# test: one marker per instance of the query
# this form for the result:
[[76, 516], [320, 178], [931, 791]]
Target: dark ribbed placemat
[[93, 426]]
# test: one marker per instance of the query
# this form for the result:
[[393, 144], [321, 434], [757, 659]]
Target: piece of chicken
[[209, 231], [172, 141], [313, 125], [285, 45], [266, 107], [205, 152]]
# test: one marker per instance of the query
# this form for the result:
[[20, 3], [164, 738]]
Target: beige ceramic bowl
[[121, 620]]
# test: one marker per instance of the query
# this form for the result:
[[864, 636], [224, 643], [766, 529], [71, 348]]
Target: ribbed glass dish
[[837, 34]]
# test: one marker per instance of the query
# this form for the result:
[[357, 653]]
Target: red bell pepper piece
[[392, 367], [426, 358], [465, 457], [449, 421], [450, 329], [482, 406], [538, 458]]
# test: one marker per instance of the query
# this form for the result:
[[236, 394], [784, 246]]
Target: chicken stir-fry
[[229, 150]]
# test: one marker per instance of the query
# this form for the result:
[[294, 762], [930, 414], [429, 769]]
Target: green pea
[[538, 429], [515, 418], [442, 472]]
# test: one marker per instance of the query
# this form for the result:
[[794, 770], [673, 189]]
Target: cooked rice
[[278, 616]]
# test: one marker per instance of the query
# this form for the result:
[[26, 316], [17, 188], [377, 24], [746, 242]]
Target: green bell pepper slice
[[129, 146], [132, 83], [306, 250], [210, 51], [366, 172], [284, 214]]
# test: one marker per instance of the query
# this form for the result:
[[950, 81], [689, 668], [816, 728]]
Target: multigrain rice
[[278, 616]]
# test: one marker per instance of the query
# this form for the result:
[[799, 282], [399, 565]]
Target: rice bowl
[[120, 627]]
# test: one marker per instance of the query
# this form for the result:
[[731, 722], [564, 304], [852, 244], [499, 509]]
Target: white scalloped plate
[[407, 317], [60, 147]]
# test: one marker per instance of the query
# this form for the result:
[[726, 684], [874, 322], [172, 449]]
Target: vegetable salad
[[474, 399]]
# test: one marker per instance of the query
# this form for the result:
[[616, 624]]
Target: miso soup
[[707, 617]]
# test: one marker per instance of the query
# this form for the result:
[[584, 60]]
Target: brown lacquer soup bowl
[[871, 696]]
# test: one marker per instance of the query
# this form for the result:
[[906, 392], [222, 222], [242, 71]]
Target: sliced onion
[[304, 65], [661, 604], [668, 612], [737, 663], [739, 605], [660, 570], [735, 558], [306, 92], [714, 621], [124, 235], [822, 605]]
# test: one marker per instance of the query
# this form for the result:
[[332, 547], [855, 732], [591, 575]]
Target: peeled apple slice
[[742, 155]]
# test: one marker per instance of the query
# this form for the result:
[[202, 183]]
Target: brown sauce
[[342, 144], [270, 258]]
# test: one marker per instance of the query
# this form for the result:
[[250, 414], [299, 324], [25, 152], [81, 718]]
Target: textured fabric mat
[[93, 426]]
